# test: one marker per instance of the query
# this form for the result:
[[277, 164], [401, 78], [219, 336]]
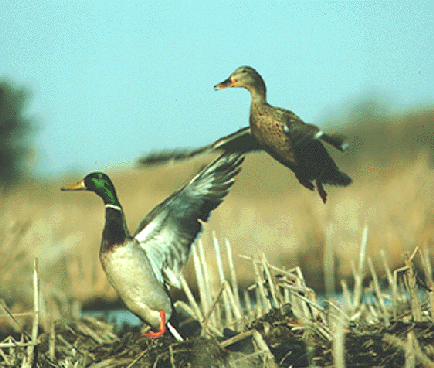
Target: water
[[117, 317]]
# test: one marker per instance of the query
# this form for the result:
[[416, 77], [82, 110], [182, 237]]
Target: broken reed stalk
[[346, 295], [190, 297], [304, 311], [35, 325], [236, 338], [234, 280], [179, 304], [429, 282], [392, 283], [358, 276], [329, 261], [227, 307], [317, 313], [236, 308], [261, 291], [413, 292], [215, 317], [341, 312], [410, 359], [339, 342], [293, 274], [200, 281], [386, 267], [296, 305], [395, 290], [297, 291], [286, 296], [213, 304], [270, 280], [303, 300], [268, 356], [258, 309], [378, 292], [248, 302], [15, 344], [52, 341]]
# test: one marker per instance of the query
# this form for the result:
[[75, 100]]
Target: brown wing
[[241, 142]]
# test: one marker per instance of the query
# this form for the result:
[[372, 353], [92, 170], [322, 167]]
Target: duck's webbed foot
[[156, 335], [321, 191]]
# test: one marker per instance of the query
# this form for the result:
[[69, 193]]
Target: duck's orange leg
[[155, 335]]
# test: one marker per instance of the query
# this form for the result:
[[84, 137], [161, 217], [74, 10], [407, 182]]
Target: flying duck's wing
[[302, 134], [167, 232], [240, 142]]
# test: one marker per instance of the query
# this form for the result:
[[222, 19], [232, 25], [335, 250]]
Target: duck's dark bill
[[77, 186], [226, 83]]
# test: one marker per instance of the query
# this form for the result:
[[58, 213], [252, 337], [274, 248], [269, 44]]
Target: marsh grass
[[278, 299], [287, 237]]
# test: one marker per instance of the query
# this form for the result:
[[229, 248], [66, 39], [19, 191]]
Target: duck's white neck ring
[[114, 207]]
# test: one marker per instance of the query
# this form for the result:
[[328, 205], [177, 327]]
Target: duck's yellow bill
[[77, 186], [226, 83]]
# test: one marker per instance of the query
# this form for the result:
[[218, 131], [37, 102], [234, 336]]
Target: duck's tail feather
[[335, 140]]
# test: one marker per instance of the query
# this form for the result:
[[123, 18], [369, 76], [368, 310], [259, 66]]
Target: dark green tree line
[[16, 130]]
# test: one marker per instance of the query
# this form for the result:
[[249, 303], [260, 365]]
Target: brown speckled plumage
[[279, 132], [287, 138]]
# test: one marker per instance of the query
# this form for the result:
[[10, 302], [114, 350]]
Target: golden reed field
[[390, 160]]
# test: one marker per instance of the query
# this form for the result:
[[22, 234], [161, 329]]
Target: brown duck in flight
[[279, 132]]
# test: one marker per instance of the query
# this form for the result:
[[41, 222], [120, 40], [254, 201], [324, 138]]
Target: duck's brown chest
[[269, 131]]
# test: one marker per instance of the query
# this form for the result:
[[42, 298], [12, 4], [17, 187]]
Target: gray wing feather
[[240, 142], [167, 232]]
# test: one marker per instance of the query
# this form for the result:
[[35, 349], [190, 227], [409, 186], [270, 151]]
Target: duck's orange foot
[[156, 335]]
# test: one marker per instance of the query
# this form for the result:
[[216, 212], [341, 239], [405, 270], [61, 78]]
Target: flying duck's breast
[[268, 127], [130, 273]]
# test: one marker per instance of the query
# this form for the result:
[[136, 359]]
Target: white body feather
[[130, 273]]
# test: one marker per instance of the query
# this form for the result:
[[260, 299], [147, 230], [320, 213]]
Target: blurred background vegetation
[[17, 128]]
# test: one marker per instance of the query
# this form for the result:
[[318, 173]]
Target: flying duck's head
[[249, 78], [244, 76]]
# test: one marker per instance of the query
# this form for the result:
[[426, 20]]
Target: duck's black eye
[[244, 71]]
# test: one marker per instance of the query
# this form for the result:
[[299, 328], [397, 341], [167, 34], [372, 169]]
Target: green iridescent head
[[99, 183]]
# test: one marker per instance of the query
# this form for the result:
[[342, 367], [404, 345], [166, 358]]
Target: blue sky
[[116, 79]]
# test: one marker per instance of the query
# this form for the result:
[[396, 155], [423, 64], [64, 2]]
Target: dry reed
[[64, 232]]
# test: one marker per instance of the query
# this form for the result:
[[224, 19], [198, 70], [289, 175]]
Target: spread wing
[[167, 232], [240, 142]]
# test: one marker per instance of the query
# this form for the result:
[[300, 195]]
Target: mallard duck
[[287, 138], [142, 266], [279, 132]]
